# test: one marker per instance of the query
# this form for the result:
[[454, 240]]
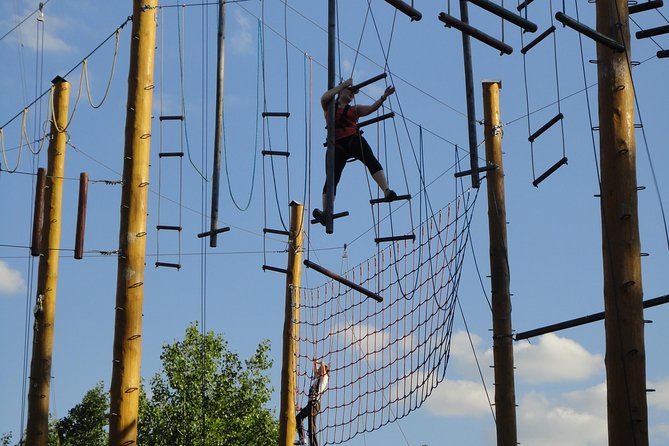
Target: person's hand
[[389, 90], [347, 83]]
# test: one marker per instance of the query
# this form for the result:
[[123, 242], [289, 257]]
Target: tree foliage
[[203, 395]]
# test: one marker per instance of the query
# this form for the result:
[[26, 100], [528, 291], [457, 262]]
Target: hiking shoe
[[319, 216], [390, 194]]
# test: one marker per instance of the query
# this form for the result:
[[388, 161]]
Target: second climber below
[[349, 142]]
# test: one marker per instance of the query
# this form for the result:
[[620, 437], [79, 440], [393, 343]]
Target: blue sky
[[554, 230]]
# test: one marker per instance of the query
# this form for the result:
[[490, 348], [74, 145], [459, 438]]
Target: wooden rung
[[466, 28], [662, 54], [645, 6], [405, 8], [217, 231], [377, 119], [524, 5], [545, 127], [168, 265], [171, 118], [275, 153], [168, 227], [587, 31], [652, 32], [275, 269], [505, 14], [390, 200], [465, 173], [170, 154], [275, 114], [552, 169], [275, 231], [340, 279], [539, 38], [395, 238], [334, 217], [362, 84]]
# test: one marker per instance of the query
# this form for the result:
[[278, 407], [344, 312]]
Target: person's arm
[[364, 110], [332, 92]]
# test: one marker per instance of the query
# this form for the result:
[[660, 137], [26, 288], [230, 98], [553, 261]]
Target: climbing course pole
[[330, 154], [505, 394], [124, 393], [623, 292], [37, 430], [291, 326], [218, 134]]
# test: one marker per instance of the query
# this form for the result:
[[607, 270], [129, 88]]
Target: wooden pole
[[332, 107], [38, 213], [502, 334], [218, 134], [290, 327], [37, 430], [124, 393], [623, 292], [469, 96], [81, 216]]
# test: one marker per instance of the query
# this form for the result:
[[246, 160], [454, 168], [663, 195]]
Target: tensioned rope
[[385, 358]]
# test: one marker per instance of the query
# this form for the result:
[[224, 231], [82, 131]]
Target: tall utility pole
[[124, 393], [469, 94], [290, 327], [505, 392], [47, 277], [330, 153], [218, 135], [623, 292]]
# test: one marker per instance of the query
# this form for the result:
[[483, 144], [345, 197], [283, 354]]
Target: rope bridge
[[384, 358]]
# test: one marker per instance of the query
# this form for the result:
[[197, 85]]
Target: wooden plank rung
[[170, 154], [217, 231], [466, 28], [390, 200], [587, 31], [275, 114], [275, 231], [539, 38], [171, 118], [505, 14], [395, 238], [652, 32], [334, 217], [168, 228], [550, 171], [275, 153], [645, 6], [275, 269], [545, 127], [168, 265], [375, 120], [309, 264]]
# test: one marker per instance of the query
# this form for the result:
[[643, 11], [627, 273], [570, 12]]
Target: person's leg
[[299, 419], [315, 408], [340, 163], [366, 155]]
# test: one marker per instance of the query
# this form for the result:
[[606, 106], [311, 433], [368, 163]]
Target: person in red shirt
[[349, 142]]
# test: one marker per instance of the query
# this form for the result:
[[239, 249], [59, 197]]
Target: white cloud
[[25, 34], [592, 400], [547, 423], [241, 40], [458, 398], [660, 398], [555, 359], [10, 280]]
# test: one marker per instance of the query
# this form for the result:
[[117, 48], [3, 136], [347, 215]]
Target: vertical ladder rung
[[275, 269], [168, 265], [524, 5], [170, 154], [275, 114], [371, 80], [171, 118], [652, 32], [168, 227], [505, 14], [407, 9], [275, 231], [209, 233], [475, 33], [545, 127], [334, 217], [390, 200], [645, 6], [377, 119], [662, 54], [395, 238], [550, 171], [539, 38], [275, 153], [587, 31]]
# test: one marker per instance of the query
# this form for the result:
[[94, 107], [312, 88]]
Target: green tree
[[205, 395], [85, 423]]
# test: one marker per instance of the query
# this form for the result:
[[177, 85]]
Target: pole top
[[295, 203], [492, 81], [57, 80]]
